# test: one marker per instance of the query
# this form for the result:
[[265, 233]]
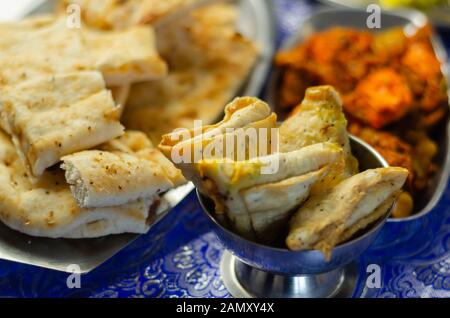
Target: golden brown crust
[[327, 219], [379, 212]]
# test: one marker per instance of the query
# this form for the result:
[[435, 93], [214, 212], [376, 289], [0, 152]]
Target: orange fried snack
[[387, 72], [380, 99], [393, 89], [396, 152], [337, 57]]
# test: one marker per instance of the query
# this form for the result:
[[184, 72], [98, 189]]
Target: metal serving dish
[[257, 23], [440, 15], [253, 270], [410, 20]]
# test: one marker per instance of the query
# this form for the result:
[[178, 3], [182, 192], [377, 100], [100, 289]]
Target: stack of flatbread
[[311, 179], [55, 108], [70, 167], [113, 14], [208, 63], [208, 59], [113, 190]]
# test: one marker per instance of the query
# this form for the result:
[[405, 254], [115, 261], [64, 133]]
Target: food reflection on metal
[[394, 92]]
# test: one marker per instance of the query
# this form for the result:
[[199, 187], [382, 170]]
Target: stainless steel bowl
[[264, 271]]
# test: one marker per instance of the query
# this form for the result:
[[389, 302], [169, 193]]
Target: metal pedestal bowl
[[250, 269]]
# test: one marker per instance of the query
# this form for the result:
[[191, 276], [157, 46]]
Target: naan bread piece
[[125, 57], [47, 208], [319, 118], [204, 37], [241, 187], [59, 52], [241, 112], [138, 144], [290, 192], [209, 62], [235, 186], [325, 220], [52, 116], [264, 201], [242, 116], [113, 14], [122, 56], [231, 177], [253, 140], [101, 178]]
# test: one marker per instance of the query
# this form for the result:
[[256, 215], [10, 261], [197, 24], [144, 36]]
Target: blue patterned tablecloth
[[180, 256]]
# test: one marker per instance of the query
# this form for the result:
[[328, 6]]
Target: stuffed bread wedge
[[242, 116], [241, 112], [47, 208], [327, 219], [245, 190], [319, 118], [52, 116], [101, 178]]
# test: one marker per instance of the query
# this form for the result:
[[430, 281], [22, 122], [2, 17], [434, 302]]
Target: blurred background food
[[209, 61], [208, 58], [113, 14], [393, 90]]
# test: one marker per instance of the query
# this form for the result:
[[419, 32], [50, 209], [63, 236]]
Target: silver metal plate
[[257, 23], [439, 15]]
